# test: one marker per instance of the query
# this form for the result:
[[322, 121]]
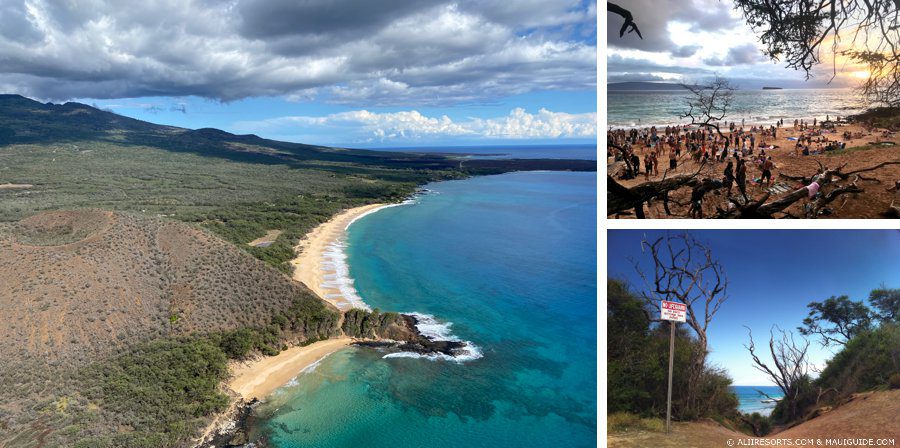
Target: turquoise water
[[752, 401], [510, 262]]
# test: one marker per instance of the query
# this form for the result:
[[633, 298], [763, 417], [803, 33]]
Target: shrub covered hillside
[[66, 156], [106, 311]]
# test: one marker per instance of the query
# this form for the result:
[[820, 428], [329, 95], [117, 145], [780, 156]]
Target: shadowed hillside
[[86, 286]]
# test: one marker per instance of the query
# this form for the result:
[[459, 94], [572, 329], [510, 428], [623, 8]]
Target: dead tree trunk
[[825, 177], [685, 271], [620, 199]]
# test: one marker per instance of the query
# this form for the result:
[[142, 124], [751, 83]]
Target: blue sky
[[266, 117], [334, 72], [773, 275]]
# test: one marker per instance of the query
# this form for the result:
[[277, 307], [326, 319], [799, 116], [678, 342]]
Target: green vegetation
[[152, 308], [160, 390], [164, 390], [756, 424], [626, 422], [365, 324], [866, 362], [894, 381], [881, 117], [869, 337], [637, 365], [836, 320]]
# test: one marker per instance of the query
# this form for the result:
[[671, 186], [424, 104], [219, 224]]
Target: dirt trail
[[870, 415]]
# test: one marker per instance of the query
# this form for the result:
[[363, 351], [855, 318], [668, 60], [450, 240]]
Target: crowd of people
[[735, 147]]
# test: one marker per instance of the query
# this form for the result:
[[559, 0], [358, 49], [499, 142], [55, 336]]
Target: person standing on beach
[[673, 161], [741, 178], [767, 171], [696, 210], [648, 165], [729, 177]]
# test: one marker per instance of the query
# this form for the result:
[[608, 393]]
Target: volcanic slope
[[82, 287]]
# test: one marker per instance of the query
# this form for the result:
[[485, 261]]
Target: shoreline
[[259, 378], [253, 380], [320, 261]]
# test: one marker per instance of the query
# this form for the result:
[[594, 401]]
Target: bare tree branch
[[709, 103], [628, 25]]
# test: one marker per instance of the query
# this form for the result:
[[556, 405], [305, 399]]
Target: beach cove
[[257, 378], [507, 262], [453, 258]]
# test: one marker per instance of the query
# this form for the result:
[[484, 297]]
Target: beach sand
[[871, 204], [308, 266], [258, 378]]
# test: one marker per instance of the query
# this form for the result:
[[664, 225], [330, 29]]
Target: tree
[[685, 271], [830, 188], [790, 372], [709, 103], [836, 320], [636, 379], [797, 31], [621, 198], [886, 303]]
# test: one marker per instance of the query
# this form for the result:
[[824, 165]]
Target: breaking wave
[[434, 330]]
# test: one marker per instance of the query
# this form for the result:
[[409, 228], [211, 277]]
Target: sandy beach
[[312, 267], [261, 377], [876, 199]]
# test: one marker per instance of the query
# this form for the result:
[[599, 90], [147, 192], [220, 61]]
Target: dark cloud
[[271, 18], [685, 51], [653, 17], [620, 64], [345, 51], [741, 55], [630, 77]]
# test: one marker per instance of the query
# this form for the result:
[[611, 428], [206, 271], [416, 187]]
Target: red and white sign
[[673, 311]]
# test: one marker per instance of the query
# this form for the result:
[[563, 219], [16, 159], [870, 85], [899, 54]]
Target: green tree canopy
[[836, 320], [886, 303]]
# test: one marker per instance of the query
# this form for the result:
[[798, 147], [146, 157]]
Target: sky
[[773, 275], [692, 40], [332, 72]]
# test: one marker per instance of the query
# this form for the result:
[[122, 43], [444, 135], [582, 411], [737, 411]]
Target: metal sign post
[[672, 312], [671, 364]]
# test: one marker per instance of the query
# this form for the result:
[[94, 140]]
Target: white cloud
[[375, 53], [366, 127]]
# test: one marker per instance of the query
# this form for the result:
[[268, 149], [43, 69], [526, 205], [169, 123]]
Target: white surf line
[[336, 271]]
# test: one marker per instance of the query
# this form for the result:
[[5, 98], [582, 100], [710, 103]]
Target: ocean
[[582, 152], [507, 262], [751, 400], [647, 108]]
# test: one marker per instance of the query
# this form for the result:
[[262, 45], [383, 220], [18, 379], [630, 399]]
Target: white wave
[[468, 353], [429, 327], [409, 201], [312, 366], [434, 330], [334, 259]]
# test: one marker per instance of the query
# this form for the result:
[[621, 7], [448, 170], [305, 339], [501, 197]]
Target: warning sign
[[673, 311]]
